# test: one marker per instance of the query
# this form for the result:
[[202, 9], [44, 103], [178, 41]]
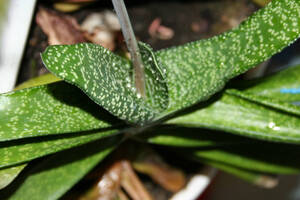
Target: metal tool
[[132, 46]]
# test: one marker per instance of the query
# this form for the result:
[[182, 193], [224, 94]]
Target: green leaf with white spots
[[21, 151], [197, 70], [108, 79], [55, 175], [50, 109], [257, 111], [7, 175]]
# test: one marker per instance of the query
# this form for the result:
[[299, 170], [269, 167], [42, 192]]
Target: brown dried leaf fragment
[[156, 30], [60, 29], [132, 184], [150, 163]]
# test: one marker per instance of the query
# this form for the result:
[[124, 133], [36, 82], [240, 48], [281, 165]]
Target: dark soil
[[190, 20]]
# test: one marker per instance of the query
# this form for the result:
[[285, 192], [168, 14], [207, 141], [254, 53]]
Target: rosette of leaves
[[248, 129]]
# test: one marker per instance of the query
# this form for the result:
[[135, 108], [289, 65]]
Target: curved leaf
[[49, 109], [107, 79], [199, 69], [54, 176]]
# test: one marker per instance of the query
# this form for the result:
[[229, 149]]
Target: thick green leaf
[[262, 157], [7, 175], [199, 69], [258, 111], [49, 109], [108, 79], [237, 115], [58, 173], [283, 86], [20, 151]]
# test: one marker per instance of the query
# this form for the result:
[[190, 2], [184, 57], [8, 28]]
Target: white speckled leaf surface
[[108, 79], [251, 113], [197, 70], [49, 109]]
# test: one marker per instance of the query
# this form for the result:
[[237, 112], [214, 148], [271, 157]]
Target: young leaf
[[197, 70], [49, 109], [108, 79], [7, 175], [20, 151], [57, 174]]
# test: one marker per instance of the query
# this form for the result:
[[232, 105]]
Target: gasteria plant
[[179, 110]]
